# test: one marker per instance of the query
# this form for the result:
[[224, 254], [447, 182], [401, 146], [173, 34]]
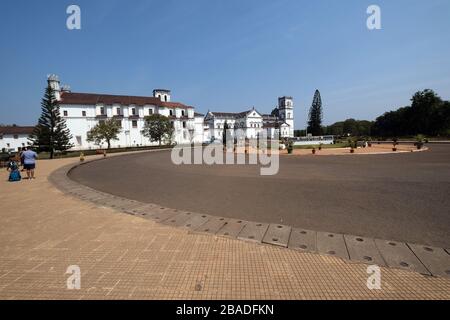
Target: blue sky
[[228, 55]]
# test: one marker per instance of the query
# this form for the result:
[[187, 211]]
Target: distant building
[[83, 111], [14, 138], [252, 122]]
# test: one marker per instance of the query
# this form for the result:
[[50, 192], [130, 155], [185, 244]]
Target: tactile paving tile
[[253, 231], [332, 244], [112, 202], [436, 260], [129, 205], [161, 215], [143, 209], [213, 225], [232, 228], [277, 235], [303, 240], [364, 250], [399, 255], [179, 219], [196, 220]]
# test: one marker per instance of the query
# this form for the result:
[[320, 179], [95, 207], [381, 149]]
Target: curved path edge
[[426, 260]]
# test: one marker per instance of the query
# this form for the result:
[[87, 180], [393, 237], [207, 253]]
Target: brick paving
[[43, 232]]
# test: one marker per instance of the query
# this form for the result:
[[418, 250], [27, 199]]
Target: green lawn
[[325, 146]]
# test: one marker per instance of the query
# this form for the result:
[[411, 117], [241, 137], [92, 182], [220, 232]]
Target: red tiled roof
[[108, 99], [16, 130]]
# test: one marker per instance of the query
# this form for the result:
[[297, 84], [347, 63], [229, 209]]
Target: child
[[13, 167]]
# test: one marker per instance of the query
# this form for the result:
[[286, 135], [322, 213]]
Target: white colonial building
[[252, 123], [83, 111], [14, 138]]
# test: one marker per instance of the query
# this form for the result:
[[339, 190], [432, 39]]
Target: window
[[83, 113], [133, 111], [184, 124], [165, 98], [78, 138], [289, 115], [101, 122], [182, 113], [16, 136], [1, 136], [173, 124], [118, 111], [102, 111], [150, 111], [65, 113], [171, 112], [134, 123]]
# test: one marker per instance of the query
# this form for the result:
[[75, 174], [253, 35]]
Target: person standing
[[29, 162]]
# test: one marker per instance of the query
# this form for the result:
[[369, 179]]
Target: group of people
[[28, 162]]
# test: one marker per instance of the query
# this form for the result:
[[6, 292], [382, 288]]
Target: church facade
[[83, 111], [253, 123]]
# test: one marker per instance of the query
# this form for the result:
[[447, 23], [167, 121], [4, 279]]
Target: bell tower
[[286, 112], [53, 82]]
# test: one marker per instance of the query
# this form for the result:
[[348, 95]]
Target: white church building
[[280, 123], [83, 111]]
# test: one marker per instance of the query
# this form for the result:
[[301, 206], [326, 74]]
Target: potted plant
[[313, 150], [394, 143], [290, 147], [420, 139], [320, 146], [369, 142]]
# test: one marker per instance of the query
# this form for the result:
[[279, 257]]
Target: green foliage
[[420, 140], [315, 115], [350, 126], [299, 133], [428, 115], [225, 133], [51, 133], [157, 128], [104, 131]]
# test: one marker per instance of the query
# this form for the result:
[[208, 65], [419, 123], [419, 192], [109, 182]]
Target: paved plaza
[[44, 231]]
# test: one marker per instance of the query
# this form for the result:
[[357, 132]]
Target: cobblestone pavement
[[43, 232]]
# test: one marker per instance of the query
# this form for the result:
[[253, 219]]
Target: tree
[[157, 127], [315, 115], [51, 133], [428, 115], [107, 131], [225, 133]]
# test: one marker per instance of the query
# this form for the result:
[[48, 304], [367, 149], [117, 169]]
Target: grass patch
[[324, 146]]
